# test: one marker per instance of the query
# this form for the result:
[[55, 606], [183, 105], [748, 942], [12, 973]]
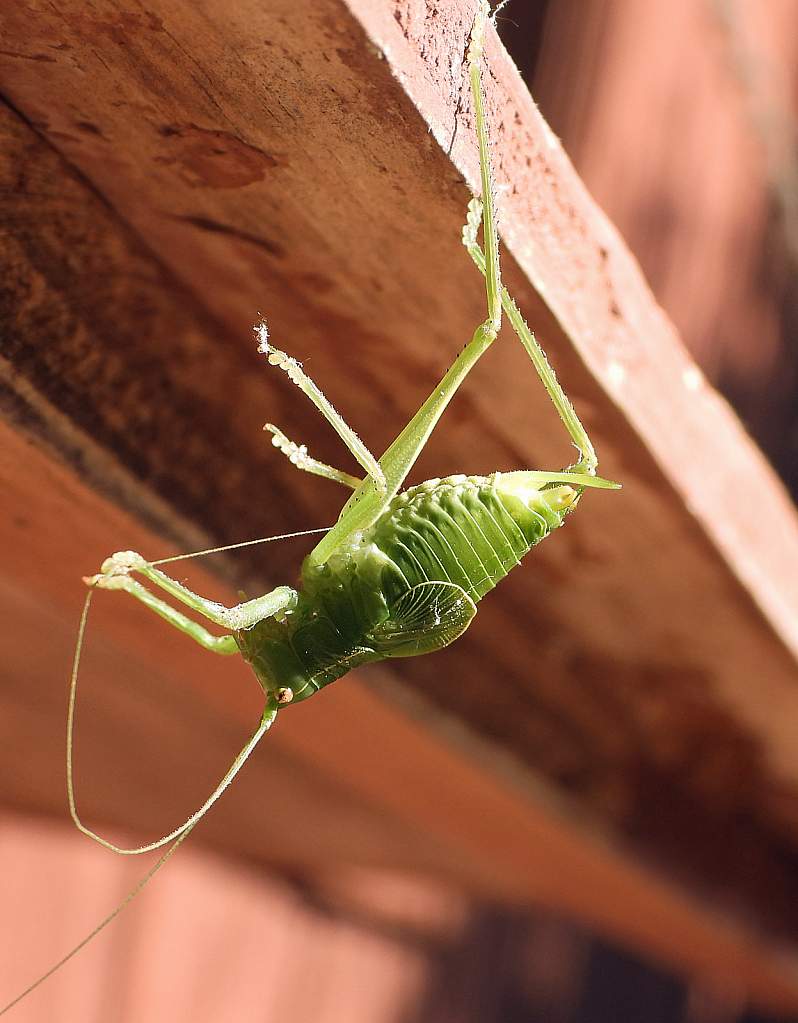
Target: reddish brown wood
[[629, 695], [682, 121], [211, 940]]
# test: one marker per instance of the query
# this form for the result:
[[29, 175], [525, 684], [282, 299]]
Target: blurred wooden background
[[681, 120], [615, 837]]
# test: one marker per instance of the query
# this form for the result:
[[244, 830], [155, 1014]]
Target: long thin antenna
[[244, 543]]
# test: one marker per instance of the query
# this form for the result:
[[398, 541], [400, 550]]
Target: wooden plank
[[346, 778], [210, 940], [639, 671]]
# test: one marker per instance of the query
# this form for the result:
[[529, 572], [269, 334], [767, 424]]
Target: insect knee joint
[[117, 567]]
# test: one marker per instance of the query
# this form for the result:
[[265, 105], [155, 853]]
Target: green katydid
[[401, 572]]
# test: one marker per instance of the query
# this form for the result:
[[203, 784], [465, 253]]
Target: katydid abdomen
[[409, 583]]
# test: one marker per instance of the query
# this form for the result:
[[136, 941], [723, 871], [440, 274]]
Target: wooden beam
[[628, 695]]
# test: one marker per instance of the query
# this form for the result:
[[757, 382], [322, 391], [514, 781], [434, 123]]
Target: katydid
[[401, 572]]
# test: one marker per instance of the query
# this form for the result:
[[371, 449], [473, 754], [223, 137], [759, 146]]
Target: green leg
[[115, 575], [297, 454], [588, 462], [366, 504], [386, 476], [373, 494], [298, 376]]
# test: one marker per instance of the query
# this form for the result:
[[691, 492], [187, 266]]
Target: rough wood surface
[[170, 172]]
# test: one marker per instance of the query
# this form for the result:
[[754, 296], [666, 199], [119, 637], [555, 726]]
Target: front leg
[[116, 575]]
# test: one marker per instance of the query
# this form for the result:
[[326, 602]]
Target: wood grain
[[169, 174]]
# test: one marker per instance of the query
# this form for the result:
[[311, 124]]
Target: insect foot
[[116, 569]]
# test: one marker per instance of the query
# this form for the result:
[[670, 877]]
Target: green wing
[[428, 617]]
